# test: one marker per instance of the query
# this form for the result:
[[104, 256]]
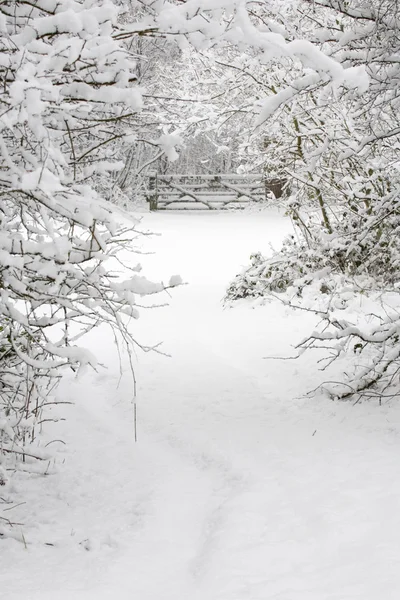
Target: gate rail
[[209, 191]]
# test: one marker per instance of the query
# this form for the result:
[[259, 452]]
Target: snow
[[175, 280], [168, 144], [239, 487]]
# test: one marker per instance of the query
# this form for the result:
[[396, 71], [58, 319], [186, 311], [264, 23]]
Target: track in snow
[[239, 488]]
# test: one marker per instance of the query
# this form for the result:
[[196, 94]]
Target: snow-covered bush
[[362, 242]]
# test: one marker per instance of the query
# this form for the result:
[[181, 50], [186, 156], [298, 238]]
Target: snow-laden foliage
[[339, 145], [68, 97], [208, 86]]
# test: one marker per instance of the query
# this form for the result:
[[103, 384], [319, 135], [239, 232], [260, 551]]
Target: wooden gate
[[209, 191]]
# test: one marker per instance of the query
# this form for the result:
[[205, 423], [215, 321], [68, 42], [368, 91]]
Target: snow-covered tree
[[344, 177], [68, 97]]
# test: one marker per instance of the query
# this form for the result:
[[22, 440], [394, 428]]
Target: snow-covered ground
[[238, 488]]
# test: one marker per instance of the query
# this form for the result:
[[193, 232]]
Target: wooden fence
[[209, 191]]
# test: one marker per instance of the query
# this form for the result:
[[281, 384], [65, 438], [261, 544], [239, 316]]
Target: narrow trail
[[273, 497], [239, 487]]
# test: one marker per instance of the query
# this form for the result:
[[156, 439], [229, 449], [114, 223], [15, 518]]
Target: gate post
[[153, 191]]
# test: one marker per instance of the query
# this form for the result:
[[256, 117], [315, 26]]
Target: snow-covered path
[[238, 489]]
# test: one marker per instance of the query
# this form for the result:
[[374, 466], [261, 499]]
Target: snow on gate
[[210, 191]]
